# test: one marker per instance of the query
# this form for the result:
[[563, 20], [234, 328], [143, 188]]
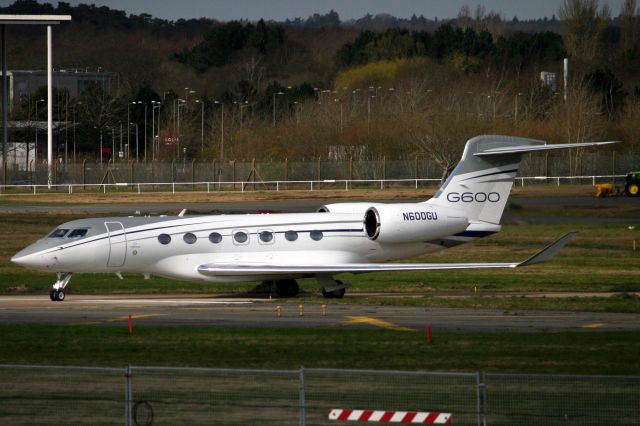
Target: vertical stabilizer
[[480, 184]]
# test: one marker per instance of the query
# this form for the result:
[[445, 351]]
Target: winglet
[[549, 251], [182, 212]]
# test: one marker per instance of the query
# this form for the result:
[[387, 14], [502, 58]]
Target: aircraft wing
[[248, 269]]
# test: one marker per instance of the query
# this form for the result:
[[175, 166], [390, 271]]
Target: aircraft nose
[[32, 257]]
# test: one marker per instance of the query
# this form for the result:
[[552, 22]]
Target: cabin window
[[164, 239], [240, 237], [316, 235], [189, 238], [77, 233], [215, 237], [266, 236], [291, 235], [58, 233]]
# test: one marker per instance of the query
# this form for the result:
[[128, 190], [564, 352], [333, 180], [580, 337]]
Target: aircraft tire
[[60, 295], [52, 295], [287, 288], [338, 294]]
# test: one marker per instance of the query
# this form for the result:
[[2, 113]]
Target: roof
[[33, 19]]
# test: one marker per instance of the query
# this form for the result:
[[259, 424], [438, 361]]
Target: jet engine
[[405, 223], [347, 207]]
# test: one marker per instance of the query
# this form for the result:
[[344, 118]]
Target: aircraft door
[[117, 244]]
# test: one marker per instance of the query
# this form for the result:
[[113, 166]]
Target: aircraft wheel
[[338, 294], [60, 295], [287, 288], [52, 295]]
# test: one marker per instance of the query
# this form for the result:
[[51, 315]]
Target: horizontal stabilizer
[[248, 269], [523, 149]]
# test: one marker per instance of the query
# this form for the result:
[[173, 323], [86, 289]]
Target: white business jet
[[280, 248]]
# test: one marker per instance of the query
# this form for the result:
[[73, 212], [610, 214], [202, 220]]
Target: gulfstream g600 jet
[[280, 248]]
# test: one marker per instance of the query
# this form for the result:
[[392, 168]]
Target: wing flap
[[254, 269]]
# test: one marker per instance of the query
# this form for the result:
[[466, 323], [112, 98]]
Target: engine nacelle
[[406, 223], [347, 207]]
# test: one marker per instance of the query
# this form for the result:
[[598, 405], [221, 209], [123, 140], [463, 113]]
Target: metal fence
[[162, 395], [263, 174]]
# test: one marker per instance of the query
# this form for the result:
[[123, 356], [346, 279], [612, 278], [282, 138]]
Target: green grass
[[565, 352]]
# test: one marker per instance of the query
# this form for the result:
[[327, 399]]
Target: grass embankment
[[566, 352]]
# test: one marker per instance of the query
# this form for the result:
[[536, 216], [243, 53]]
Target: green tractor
[[632, 188]]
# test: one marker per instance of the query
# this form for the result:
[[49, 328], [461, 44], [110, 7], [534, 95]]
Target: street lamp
[[180, 102], [221, 128], [154, 105], [274, 106], [35, 155], [133, 124], [187, 92], [75, 106], [198, 101]]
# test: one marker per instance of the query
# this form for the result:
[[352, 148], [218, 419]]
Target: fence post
[[303, 414], [173, 172], [319, 159], [384, 171], [128, 397], [84, 173], [131, 179], [193, 174], [485, 402], [286, 171]]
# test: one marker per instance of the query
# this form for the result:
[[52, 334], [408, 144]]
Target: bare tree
[[585, 22]]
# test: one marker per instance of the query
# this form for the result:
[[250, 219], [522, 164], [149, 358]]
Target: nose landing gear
[[57, 293]]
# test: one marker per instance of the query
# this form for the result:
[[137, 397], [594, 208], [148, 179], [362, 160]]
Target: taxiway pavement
[[207, 311]]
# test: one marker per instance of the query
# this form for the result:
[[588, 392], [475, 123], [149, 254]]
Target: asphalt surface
[[295, 206], [209, 311]]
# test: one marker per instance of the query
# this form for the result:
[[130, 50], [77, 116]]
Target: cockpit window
[[58, 233], [77, 233]]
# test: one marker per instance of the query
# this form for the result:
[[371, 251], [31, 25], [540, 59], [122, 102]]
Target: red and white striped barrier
[[389, 416]]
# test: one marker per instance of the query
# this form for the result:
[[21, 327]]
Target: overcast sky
[[226, 10]]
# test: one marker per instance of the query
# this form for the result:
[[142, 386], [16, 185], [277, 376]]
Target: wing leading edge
[[249, 269]]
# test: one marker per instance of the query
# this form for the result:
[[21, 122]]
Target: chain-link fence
[[163, 395], [230, 175]]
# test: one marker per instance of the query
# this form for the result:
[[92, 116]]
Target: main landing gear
[[329, 287], [57, 293], [287, 288]]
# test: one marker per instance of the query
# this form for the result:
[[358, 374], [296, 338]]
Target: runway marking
[[376, 322], [116, 319], [594, 325]]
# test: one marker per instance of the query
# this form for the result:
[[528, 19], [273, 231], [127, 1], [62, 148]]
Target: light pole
[[198, 101], [154, 105], [35, 155], [145, 132], [221, 129], [75, 106], [181, 102], [187, 92], [136, 124], [246, 104], [274, 106]]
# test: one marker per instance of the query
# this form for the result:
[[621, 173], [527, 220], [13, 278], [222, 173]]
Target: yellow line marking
[[594, 325], [122, 318], [376, 322]]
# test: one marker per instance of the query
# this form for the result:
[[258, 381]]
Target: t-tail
[[480, 184]]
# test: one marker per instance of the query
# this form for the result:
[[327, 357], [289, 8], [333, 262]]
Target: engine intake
[[405, 223]]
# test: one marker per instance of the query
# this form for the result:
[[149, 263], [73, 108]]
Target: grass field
[[566, 352]]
